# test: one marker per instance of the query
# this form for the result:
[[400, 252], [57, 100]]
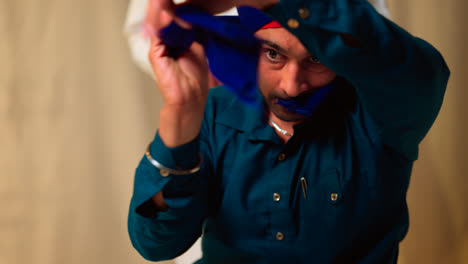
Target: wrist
[[179, 125]]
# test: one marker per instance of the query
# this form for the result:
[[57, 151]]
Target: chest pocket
[[317, 199], [333, 209], [323, 190]]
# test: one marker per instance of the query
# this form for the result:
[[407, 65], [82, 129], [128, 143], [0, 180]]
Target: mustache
[[299, 99]]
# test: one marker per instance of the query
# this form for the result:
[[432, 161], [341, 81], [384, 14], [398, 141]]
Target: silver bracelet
[[165, 171]]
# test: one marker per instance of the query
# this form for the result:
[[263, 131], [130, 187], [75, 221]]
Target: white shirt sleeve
[[381, 7], [133, 28]]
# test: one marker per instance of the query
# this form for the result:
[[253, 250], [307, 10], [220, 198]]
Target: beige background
[[76, 115]]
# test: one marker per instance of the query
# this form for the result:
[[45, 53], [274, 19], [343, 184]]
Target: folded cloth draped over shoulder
[[232, 51]]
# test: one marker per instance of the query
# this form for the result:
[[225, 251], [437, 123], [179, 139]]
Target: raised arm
[[400, 79], [167, 210]]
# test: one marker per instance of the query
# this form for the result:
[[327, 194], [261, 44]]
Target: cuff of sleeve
[[182, 157], [149, 181]]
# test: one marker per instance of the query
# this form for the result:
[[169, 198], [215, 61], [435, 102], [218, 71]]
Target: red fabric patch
[[272, 24]]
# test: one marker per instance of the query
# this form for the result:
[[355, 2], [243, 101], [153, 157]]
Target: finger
[[198, 51], [157, 56], [153, 29], [165, 18], [157, 47], [167, 5], [159, 13], [149, 18], [182, 23], [154, 6]]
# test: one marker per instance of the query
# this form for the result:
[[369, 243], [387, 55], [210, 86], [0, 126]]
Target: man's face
[[286, 70]]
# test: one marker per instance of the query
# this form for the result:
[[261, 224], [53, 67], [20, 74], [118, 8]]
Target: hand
[[182, 82]]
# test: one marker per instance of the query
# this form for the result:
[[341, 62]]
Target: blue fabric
[[252, 19], [232, 51], [308, 105], [359, 146]]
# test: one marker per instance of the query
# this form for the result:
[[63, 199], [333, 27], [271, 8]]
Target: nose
[[292, 83]]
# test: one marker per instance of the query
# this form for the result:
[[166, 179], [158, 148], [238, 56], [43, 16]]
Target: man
[[278, 185]]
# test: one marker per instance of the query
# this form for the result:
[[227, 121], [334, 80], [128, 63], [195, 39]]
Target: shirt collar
[[253, 120], [250, 119]]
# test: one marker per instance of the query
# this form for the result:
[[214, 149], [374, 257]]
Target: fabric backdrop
[[76, 115]]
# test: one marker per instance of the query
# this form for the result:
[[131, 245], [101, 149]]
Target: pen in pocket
[[304, 187]]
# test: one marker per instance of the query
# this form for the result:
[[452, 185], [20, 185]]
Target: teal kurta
[[355, 154]]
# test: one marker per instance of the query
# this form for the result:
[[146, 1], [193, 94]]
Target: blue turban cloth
[[232, 52]]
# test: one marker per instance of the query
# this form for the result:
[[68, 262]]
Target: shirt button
[[304, 13], [293, 23], [164, 173], [334, 197], [276, 197], [279, 236], [281, 156]]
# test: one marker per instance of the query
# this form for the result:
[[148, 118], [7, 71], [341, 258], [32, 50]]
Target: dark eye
[[314, 60], [273, 54]]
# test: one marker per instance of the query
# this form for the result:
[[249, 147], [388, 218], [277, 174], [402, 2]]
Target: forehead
[[284, 39]]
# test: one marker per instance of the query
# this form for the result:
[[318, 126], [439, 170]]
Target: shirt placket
[[282, 227]]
